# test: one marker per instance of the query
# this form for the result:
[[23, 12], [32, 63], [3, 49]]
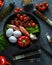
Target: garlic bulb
[[33, 37]]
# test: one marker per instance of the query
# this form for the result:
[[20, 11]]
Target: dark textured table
[[44, 58]]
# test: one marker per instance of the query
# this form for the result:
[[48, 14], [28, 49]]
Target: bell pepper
[[23, 41]]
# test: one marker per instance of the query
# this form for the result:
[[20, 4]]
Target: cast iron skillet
[[14, 15]]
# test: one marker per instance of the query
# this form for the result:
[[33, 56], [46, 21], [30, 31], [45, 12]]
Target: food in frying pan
[[12, 39], [21, 30], [12, 35], [9, 32], [17, 33], [23, 41]]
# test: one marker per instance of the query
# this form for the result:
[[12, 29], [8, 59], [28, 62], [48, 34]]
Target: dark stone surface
[[44, 59]]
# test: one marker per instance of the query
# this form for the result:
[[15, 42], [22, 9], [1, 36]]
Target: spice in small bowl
[[27, 2]]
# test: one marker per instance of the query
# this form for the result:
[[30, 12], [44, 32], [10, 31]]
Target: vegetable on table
[[42, 6], [33, 37], [3, 42], [17, 33], [18, 10], [23, 30], [9, 32], [13, 39], [1, 3], [12, 26], [3, 60], [6, 11], [33, 29], [7, 63], [23, 41]]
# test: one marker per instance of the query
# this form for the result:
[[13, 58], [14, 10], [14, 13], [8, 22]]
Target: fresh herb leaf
[[33, 29]]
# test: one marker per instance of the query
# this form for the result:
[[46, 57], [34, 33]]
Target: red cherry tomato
[[24, 15], [21, 9], [2, 60], [28, 18], [1, 3], [12, 22], [21, 17], [33, 24], [15, 11], [42, 8], [47, 5], [18, 15], [7, 63], [29, 24], [37, 5], [31, 21], [41, 4], [25, 25], [18, 9], [16, 23], [25, 19]]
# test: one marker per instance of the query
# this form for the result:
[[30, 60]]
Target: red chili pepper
[[23, 41]]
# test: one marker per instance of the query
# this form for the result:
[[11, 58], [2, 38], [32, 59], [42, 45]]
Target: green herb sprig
[[3, 42]]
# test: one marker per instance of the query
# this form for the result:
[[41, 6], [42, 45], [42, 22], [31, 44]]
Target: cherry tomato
[[25, 24], [42, 8], [1, 3], [33, 24], [25, 19], [37, 5], [21, 9], [2, 60], [16, 23], [47, 5], [15, 11], [31, 21], [21, 17], [18, 9], [18, 15], [28, 18], [41, 4], [7, 63], [29, 24], [16, 18], [24, 15], [12, 22]]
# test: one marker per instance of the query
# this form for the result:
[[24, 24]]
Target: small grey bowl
[[2, 5]]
